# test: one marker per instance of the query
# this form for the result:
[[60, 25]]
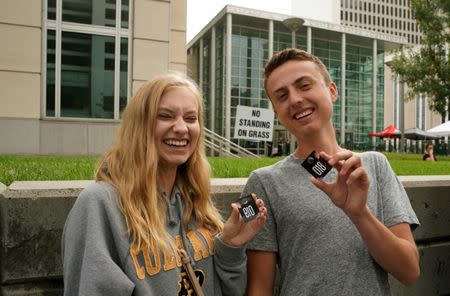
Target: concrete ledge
[[32, 216], [425, 181]]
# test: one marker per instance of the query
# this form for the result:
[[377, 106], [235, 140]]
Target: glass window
[[87, 76], [99, 12], [50, 84], [51, 9], [123, 97], [90, 62]]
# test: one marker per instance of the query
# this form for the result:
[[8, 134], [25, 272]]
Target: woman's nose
[[180, 126]]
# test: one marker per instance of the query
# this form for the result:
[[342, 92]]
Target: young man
[[339, 235]]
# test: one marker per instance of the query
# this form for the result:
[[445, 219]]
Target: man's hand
[[349, 192]]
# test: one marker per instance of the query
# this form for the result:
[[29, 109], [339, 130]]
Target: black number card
[[247, 208], [318, 167]]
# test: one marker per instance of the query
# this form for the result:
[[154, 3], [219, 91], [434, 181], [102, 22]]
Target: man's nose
[[296, 97]]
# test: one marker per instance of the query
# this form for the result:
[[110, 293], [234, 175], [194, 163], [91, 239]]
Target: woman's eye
[[191, 119], [164, 116]]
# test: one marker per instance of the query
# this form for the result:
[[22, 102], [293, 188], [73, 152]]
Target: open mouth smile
[[176, 143], [303, 114]]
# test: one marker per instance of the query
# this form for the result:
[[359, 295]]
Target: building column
[[228, 78], [396, 107], [212, 75], [292, 139], [342, 95], [58, 50], [270, 39], [117, 69], [401, 117], [374, 91], [270, 54], [309, 39], [200, 64]]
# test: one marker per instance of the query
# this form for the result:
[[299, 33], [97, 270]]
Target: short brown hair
[[296, 54]]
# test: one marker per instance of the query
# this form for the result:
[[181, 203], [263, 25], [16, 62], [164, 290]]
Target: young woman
[[150, 204], [429, 155]]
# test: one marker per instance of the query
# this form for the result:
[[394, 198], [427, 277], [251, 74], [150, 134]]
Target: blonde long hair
[[131, 166]]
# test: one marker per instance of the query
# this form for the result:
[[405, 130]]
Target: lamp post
[[293, 24]]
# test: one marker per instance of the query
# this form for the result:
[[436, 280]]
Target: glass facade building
[[354, 57]]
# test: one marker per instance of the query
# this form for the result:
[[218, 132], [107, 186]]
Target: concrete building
[[385, 16], [320, 10], [229, 69], [392, 17], [67, 68]]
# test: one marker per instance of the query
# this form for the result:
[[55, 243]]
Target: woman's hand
[[236, 232]]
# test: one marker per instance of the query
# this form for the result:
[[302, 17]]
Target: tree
[[426, 68]]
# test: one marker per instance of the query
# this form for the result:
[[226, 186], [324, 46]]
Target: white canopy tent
[[441, 130]]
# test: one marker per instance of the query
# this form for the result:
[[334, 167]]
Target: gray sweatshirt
[[99, 260]]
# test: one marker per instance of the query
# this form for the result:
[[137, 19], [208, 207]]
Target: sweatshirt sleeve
[[231, 268], [91, 258]]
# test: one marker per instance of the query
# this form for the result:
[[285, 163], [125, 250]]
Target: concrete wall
[[55, 137], [20, 58], [32, 215]]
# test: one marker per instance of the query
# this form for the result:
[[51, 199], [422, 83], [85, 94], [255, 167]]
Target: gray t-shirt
[[319, 250]]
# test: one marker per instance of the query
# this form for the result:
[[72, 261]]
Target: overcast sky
[[200, 12]]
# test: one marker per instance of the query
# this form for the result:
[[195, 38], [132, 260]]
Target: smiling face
[[301, 98], [177, 127]]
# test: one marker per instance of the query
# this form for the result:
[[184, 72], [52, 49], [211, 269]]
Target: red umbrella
[[389, 132]]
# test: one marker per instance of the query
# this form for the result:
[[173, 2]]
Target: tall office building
[[392, 17], [67, 68], [385, 16]]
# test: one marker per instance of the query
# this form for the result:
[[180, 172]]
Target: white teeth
[[178, 143], [304, 113]]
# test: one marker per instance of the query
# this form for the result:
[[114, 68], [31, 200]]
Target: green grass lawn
[[37, 168]]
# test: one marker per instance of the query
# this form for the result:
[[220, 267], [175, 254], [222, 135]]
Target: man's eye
[[305, 86], [281, 97]]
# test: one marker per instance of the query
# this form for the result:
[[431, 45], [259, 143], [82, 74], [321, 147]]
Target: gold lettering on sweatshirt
[[152, 268], [199, 248], [151, 257], [170, 260], [209, 237], [140, 270]]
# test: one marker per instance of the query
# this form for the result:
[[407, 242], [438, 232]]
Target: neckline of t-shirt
[[295, 157]]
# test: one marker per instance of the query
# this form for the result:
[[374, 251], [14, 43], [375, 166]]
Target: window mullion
[[58, 59], [130, 49], [44, 61], [117, 60]]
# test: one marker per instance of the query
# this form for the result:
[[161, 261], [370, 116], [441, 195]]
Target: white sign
[[253, 123]]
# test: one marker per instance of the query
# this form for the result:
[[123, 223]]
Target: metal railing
[[224, 146]]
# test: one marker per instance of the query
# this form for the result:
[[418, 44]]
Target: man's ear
[[333, 91]]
